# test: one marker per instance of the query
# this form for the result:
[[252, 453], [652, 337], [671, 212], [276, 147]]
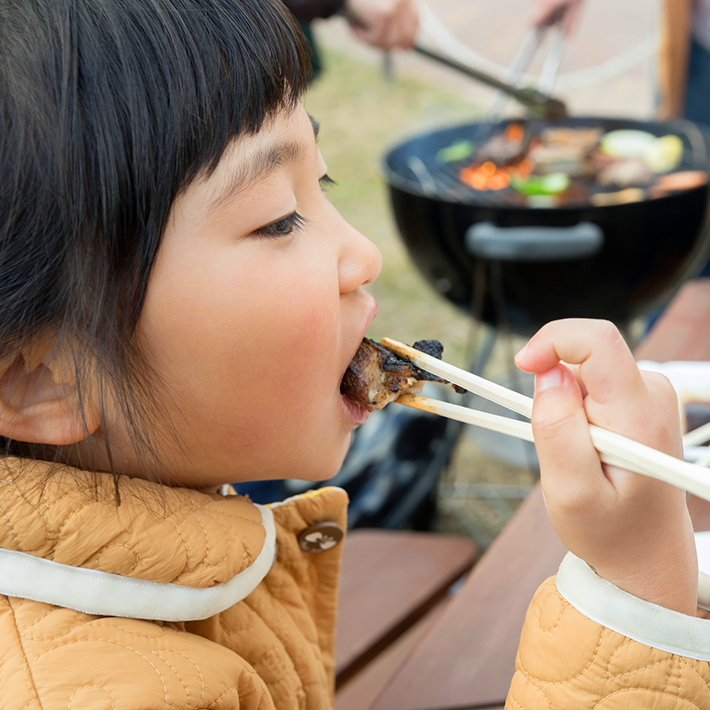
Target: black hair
[[108, 109]]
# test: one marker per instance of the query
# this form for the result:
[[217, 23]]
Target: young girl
[[179, 303]]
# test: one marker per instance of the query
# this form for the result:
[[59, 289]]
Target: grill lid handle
[[489, 241]]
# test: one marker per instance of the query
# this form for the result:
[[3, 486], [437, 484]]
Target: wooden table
[[389, 580], [466, 660]]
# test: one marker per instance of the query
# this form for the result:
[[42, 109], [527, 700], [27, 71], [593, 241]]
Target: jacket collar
[[164, 553]]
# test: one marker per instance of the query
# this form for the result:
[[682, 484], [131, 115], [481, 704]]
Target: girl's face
[[254, 309]]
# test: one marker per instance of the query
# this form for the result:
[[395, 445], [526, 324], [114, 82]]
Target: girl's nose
[[360, 261]]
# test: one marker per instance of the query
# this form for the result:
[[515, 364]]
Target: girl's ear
[[39, 398]]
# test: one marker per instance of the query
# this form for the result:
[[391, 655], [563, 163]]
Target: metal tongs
[[537, 100]]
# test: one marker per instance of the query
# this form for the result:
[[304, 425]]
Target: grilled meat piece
[[500, 150], [629, 172], [583, 138], [376, 376]]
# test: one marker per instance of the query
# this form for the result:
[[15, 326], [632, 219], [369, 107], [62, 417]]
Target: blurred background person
[[385, 24], [684, 53]]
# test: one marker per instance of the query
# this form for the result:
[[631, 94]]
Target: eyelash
[[283, 227], [326, 182], [293, 222]]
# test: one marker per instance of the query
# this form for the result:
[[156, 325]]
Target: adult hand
[[547, 12], [633, 530], [387, 24]]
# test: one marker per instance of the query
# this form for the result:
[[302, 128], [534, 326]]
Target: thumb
[[365, 34], [570, 469]]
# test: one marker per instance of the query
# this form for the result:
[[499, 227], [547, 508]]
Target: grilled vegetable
[[664, 154], [460, 150], [552, 184], [627, 143]]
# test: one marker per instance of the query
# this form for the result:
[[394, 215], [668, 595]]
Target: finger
[[569, 21], [369, 36], [389, 37], [400, 26], [372, 28], [382, 28], [669, 406], [571, 471], [544, 13], [409, 25], [574, 369], [395, 29], [606, 365]]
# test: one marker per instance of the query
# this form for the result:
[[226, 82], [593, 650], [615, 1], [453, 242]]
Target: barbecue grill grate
[[442, 180], [420, 171]]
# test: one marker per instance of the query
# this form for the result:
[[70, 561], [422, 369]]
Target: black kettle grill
[[615, 262]]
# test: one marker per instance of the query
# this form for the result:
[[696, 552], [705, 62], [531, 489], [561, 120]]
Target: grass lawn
[[361, 115]]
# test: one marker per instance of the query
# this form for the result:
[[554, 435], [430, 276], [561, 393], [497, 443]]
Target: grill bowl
[[529, 265]]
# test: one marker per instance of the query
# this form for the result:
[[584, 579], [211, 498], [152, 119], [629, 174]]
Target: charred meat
[[501, 150], [376, 376]]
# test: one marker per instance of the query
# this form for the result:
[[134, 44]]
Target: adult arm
[[386, 24]]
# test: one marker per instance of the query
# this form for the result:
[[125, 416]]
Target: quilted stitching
[[272, 650], [210, 539], [577, 663], [15, 671], [92, 696]]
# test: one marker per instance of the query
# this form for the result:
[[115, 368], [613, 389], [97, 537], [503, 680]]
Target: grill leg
[[480, 359], [481, 508]]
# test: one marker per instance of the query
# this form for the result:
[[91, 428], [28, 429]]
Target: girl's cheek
[[292, 327]]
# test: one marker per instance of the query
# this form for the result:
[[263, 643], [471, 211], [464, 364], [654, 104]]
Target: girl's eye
[[281, 228], [327, 182]]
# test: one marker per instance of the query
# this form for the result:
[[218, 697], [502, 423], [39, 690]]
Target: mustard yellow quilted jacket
[[174, 599], [587, 645]]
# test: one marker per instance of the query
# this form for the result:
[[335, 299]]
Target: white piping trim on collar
[[630, 616], [104, 594]]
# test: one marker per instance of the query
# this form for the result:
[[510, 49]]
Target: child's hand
[[633, 530]]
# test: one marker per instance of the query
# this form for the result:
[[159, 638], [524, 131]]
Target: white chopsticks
[[614, 449], [697, 436]]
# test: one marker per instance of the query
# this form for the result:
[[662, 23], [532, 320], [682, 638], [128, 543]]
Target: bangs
[[108, 109], [196, 73]]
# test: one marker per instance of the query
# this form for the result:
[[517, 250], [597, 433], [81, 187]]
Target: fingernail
[[521, 353], [549, 379]]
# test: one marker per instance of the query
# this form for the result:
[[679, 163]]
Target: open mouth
[[358, 412]]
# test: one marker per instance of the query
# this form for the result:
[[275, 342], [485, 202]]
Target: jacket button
[[320, 537]]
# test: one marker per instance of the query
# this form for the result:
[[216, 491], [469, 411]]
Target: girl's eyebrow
[[262, 164]]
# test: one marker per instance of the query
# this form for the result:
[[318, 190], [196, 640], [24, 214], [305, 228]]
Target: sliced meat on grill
[[561, 158], [626, 173], [501, 150], [584, 138], [376, 376]]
